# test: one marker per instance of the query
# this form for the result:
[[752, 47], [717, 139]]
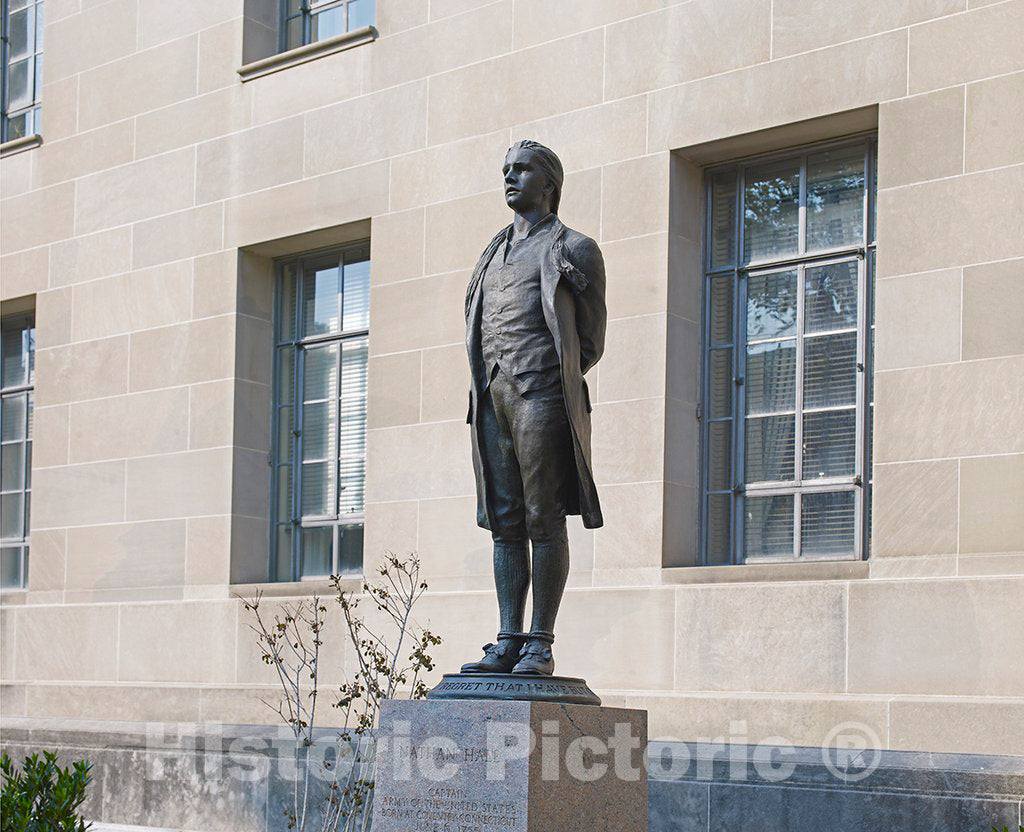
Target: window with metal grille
[[22, 39], [788, 334], [322, 320], [309, 21], [17, 378]]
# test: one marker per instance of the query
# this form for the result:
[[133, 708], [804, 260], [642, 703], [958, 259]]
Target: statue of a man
[[535, 323]]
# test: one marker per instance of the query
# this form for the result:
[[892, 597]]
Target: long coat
[[573, 299]]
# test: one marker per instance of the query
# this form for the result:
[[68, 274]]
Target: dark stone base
[[719, 788], [186, 776], [506, 687]]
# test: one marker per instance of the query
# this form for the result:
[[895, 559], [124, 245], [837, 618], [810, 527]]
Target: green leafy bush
[[43, 797]]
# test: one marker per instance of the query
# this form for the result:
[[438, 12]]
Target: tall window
[[17, 376], [22, 68], [788, 326], [309, 21], [322, 325]]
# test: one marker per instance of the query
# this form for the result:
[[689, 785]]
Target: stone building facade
[[183, 160]]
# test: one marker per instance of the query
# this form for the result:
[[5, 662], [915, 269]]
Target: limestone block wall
[[146, 224]]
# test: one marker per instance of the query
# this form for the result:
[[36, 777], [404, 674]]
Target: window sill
[[20, 145], [295, 589], [825, 570], [10, 597], [308, 52]]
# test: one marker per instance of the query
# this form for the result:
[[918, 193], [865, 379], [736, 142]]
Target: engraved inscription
[[449, 810], [441, 755], [550, 688], [464, 801]]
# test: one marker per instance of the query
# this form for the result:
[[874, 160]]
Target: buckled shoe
[[535, 658], [499, 657]]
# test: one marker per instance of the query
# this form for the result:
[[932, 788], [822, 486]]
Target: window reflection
[[835, 199], [771, 211], [771, 305]]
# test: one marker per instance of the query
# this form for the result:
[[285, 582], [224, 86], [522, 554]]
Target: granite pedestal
[[513, 766]]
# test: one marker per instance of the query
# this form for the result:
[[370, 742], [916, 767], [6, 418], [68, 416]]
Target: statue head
[[533, 178]]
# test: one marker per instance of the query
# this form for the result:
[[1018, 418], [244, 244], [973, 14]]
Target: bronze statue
[[535, 323]]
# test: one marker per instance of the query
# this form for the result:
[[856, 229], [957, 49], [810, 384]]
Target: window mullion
[[739, 420], [802, 211], [4, 59], [739, 352], [298, 365], [798, 427], [275, 425], [337, 428], [798, 418], [333, 337], [336, 465], [774, 488], [870, 231], [869, 383], [704, 409], [299, 394], [823, 257], [26, 495], [866, 203], [860, 419]]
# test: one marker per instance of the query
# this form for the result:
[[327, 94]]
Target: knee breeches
[[528, 454]]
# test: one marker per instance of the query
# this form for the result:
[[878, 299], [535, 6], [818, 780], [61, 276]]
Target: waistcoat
[[513, 331]]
